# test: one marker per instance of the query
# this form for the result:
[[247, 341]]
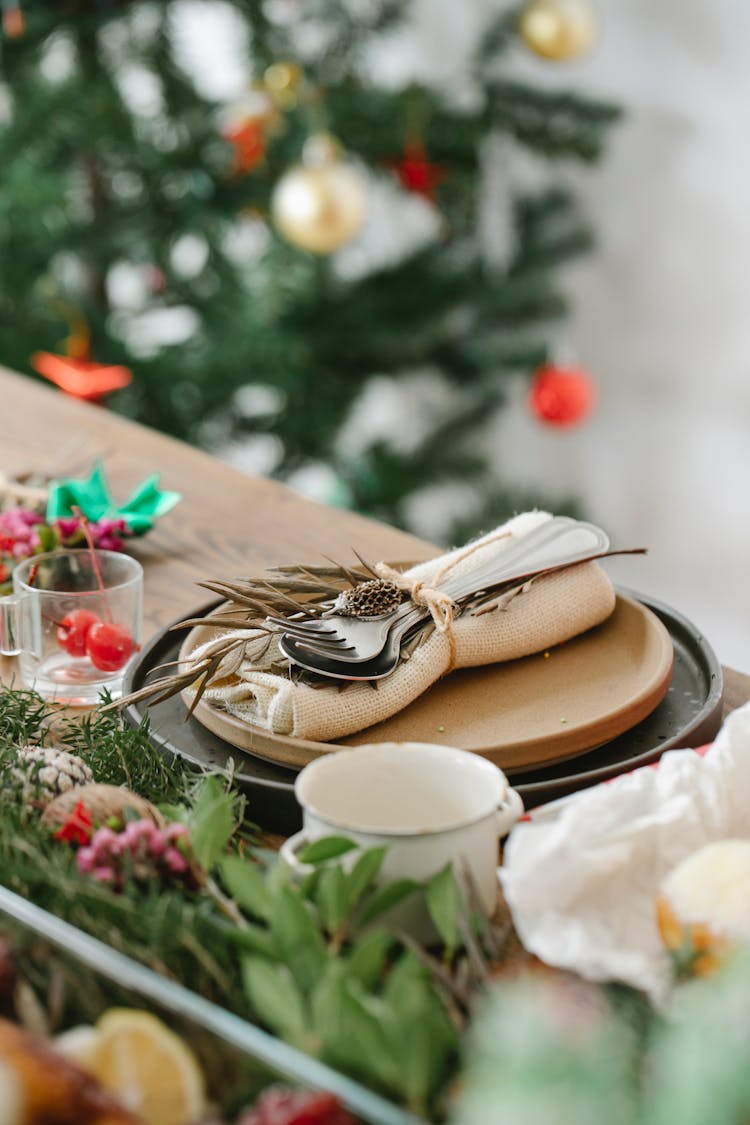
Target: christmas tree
[[144, 226]]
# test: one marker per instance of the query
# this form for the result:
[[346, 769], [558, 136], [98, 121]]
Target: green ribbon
[[92, 496]]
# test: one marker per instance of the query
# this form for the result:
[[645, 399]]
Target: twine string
[[427, 592]]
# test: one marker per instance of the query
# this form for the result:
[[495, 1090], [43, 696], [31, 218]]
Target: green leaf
[[445, 905], [299, 942], [279, 875], [362, 875], [367, 958], [212, 822], [178, 813], [329, 847], [246, 885], [352, 1032], [254, 939], [331, 897], [423, 1035], [386, 897], [275, 998], [309, 884], [48, 539]]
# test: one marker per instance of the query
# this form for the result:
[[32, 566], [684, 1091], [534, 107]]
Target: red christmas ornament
[[248, 140], [81, 378], [416, 173], [561, 396]]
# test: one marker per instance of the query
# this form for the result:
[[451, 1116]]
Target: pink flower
[[104, 873], [106, 534], [175, 861], [86, 860], [17, 535], [141, 853]]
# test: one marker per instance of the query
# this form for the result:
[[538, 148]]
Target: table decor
[[312, 961], [74, 621], [584, 875], [111, 1031], [191, 897], [239, 669], [39, 514], [689, 714]]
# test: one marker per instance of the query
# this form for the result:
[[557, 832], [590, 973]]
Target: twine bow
[[440, 605], [427, 593]]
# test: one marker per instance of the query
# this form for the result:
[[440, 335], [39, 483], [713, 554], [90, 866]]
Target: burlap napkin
[[545, 612]]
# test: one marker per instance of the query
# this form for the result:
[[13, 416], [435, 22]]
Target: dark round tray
[[689, 715]]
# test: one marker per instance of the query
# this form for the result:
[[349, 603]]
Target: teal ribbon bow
[[93, 498]]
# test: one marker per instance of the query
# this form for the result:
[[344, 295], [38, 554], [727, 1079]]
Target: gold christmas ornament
[[320, 204], [282, 76], [558, 29], [282, 81]]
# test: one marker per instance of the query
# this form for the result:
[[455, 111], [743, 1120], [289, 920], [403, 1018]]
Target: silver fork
[[350, 640]]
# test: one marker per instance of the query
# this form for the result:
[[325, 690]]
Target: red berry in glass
[[73, 631], [109, 646]]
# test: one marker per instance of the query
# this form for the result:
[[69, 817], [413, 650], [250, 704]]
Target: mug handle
[[510, 811], [9, 626], [288, 852]]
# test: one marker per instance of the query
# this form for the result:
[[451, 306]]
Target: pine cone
[[368, 600], [43, 772]]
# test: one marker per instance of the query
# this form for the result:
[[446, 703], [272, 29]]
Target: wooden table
[[227, 524]]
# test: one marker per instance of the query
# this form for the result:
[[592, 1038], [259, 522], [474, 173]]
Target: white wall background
[[663, 314], [661, 311]]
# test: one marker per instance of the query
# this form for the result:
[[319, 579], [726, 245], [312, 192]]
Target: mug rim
[[66, 552], [495, 802]]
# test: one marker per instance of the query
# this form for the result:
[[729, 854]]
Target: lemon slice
[[149, 1068]]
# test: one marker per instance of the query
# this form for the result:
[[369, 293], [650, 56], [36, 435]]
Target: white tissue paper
[[582, 875]]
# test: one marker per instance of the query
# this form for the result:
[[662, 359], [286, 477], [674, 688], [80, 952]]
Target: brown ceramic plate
[[521, 714]]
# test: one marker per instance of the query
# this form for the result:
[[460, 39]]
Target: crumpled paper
[[582, 875]]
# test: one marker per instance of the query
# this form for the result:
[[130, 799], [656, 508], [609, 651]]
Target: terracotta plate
[[521, 714]]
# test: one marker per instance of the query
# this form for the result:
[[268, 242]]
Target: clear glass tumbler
[[74, 621]]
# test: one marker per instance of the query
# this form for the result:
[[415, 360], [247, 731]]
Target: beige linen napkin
[[546, 612]]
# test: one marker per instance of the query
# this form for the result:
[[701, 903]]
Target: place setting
[[516, 647]]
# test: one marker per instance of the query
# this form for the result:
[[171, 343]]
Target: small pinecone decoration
[[44, 772], [368, 600]]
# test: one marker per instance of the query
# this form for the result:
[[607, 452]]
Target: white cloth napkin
[[581, 877]]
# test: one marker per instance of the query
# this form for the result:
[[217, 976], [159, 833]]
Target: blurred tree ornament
[[81, 378], [561, 396], [244, 126], [558, 29], [415, 171], [320, 204], [14, 24], [282, 81], [75, 372]]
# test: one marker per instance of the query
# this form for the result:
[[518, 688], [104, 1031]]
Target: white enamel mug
[[430, 805]]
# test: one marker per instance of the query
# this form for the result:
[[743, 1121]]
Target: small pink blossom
[[18, 537], [140, 853], [175, 861]]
